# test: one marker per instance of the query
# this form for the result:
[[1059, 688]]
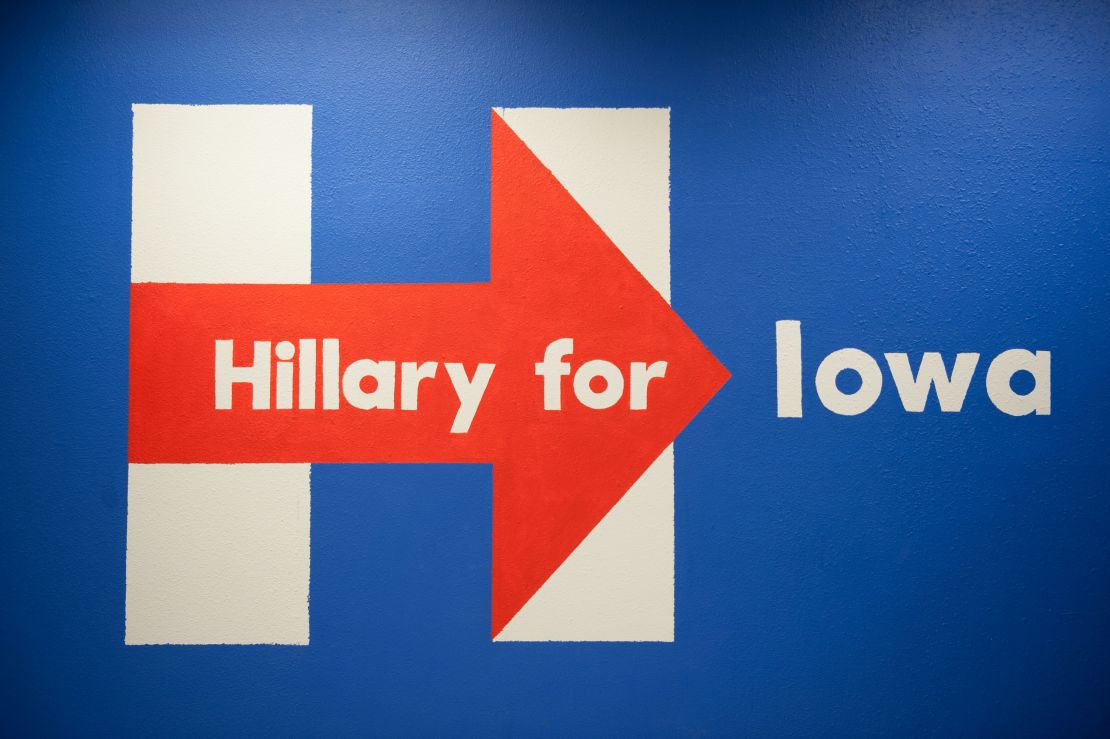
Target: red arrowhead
[[559, 472], [555, 274]]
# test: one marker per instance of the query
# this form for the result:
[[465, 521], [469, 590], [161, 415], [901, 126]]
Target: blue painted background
[[900, 177]]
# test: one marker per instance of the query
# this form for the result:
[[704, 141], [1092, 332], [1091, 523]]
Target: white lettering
[[257, 375], [468, 391], [1005, 366], [914, 391]]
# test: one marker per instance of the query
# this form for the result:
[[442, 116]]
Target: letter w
[[914, 391]]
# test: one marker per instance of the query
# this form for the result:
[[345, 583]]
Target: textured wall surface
[[897, 177]]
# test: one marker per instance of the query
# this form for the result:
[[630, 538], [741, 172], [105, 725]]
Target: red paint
[[554, 274]]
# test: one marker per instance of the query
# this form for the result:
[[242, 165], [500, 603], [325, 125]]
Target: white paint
[[642, 374], [552, 369], [599, 399], [221, 193], [331, 374], [256, 374], [616, 163], [306, 369], [788, 366], [217, 554], [469, 392], [914, 391], [383, 373], [849, 404], [411, 375], [618, 585], [1005, 365], [384, 376], [284, 351]]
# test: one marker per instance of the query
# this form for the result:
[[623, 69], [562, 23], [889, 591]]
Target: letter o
[[614, 384], [849, 404]]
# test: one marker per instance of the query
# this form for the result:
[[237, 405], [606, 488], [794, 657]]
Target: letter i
[[284, 352]]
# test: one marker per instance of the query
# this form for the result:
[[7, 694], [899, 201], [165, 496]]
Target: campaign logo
[[568, 371]]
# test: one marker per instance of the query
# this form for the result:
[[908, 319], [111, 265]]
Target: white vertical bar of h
[[618, 584], [219, 554]]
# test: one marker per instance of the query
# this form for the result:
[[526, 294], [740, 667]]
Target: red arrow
[[555, 274]]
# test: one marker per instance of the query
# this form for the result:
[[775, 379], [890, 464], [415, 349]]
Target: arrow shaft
[[365, 376]]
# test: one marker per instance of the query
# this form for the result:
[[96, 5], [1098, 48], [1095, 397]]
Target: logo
[[567, 371]]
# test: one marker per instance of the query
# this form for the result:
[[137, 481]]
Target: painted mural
[[555, 368], [567, 370]]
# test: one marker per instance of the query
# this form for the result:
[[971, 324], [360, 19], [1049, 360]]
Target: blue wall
[[900, 177]]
